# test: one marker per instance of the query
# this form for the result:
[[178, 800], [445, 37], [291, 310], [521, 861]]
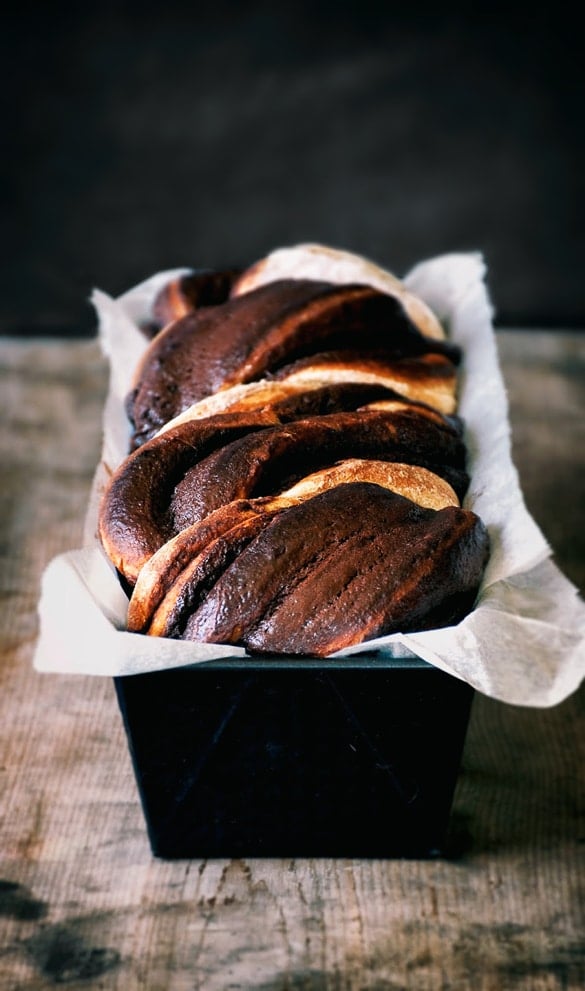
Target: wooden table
[[82, 901]]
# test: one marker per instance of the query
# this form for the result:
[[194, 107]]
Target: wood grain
[[82, 901]]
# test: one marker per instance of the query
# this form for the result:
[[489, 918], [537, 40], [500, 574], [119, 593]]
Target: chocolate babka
[[296, 469]]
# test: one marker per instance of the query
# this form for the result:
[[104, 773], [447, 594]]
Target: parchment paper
[[524, 643]]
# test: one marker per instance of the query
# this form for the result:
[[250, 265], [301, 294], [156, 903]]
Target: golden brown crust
[[420, 485]]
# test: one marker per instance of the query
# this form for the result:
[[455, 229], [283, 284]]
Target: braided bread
[[296, 470]]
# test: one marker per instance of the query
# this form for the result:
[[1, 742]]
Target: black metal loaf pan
[[285, 758]]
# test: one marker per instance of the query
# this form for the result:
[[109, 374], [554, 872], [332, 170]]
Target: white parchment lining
[[524, 643]]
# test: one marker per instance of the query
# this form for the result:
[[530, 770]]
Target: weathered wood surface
[[82, 902]]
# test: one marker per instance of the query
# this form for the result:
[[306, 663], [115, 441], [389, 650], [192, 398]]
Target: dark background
[[145, 136]]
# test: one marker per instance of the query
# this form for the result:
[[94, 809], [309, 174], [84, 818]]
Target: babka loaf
[[297, 466]]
